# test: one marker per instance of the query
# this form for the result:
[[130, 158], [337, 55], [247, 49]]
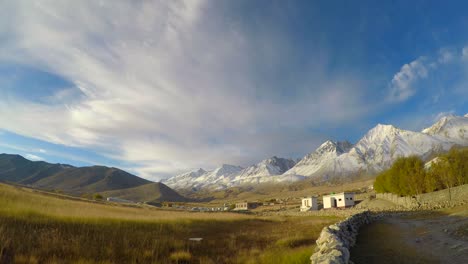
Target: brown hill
[[152, 192]]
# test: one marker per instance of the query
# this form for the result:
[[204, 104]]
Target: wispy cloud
[[166, 85], [404, 83], [401, 87], [33, 157]]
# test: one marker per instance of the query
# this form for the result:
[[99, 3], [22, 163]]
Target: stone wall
[[444, 198], [329, 212], [335, 240]]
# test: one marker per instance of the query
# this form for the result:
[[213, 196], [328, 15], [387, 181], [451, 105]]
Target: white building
[[309, 203], [339, 200], [245, 206]]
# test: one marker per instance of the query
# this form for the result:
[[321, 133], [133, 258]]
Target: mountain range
[[374, 152], [111, 182]]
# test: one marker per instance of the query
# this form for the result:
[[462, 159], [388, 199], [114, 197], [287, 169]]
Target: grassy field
[[39, 228]]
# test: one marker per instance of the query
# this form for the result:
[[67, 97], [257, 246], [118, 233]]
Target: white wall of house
[[309, 203], [328, 202], [338, 200]]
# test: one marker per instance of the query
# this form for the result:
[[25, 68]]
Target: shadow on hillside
[[414, 237]]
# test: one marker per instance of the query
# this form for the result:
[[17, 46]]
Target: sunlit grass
[[38, 228]]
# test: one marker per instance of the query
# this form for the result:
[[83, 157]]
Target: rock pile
[[335, 240]]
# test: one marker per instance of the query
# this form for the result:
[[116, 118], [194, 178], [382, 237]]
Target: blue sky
[[160, 87]]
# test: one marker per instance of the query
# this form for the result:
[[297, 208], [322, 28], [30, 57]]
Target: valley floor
[[422, 237], [40, 228]]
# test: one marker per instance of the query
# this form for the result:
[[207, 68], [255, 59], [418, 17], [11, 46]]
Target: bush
[[407, 176], [97, 196]]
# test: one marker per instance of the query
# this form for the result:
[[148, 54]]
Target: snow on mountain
[[454, 128], [324, 158], [385, 143], [380, 147], [267, 170], [219, 177], [271, 166], [374, 152], [184, 180]]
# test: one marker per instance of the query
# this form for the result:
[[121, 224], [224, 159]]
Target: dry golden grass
[[39, 228], [17, 201]]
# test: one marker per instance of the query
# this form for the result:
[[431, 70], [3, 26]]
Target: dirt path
[[424, 237]]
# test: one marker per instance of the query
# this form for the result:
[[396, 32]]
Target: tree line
[[408, 176]]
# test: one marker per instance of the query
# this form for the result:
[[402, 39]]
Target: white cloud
[[167, 85], [401, 87], [404, 83], [446, 55], [33, 157]]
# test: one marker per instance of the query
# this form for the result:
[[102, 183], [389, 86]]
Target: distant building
[[339, 200], [245, 206], [118, 200], [309, 203]]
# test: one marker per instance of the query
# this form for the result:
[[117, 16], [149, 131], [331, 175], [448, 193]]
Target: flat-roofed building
[[309, 203], [339, 200], [245, 206]]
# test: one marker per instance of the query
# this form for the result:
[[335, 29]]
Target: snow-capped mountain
[[323, 158], [271, 166], [454, 128], [267, 170], [385, 143], [219, 178], [381, 146], [185, 180], [374, 152]]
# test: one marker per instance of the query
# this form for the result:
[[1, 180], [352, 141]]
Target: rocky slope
[[150, 193]]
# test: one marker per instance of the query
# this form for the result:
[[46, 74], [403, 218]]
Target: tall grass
[[36, 228]]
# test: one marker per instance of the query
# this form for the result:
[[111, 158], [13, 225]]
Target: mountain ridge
[[374, 152], [80, 180]]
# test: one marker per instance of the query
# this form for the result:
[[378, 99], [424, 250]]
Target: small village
[[341, 200]]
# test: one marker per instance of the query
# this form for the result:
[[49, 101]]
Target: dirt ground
[[422, 237]]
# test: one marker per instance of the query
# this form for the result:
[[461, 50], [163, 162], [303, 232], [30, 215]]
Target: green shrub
[[97, 196], [407, 176]]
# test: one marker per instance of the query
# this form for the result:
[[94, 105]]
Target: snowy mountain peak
[[453, 128], [374, 152], [227, 169], [335, 147], [268, 170], [383, 128], [280, 165], [439, 125]]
